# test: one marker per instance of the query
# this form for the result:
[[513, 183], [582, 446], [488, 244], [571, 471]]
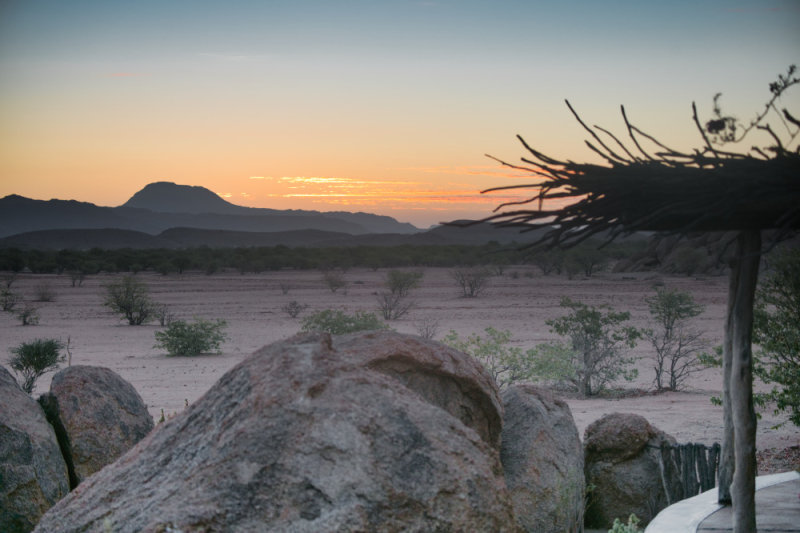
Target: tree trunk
[[748, 255], [726, 461]]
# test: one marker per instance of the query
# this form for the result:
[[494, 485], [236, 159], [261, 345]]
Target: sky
[[386, 107]]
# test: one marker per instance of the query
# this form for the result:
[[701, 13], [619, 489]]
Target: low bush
[[393, 305], [338, 322], [507, 364], [472, 281], [294, 308], [631, 527], [32, 359], [428, 328], [43, 292], [8, 299], [28, 315], [183, 338]]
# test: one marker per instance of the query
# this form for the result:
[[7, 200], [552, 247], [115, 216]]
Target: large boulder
[[102, 414], [623, 464], [368, 432], [33, 475], [542, 459]]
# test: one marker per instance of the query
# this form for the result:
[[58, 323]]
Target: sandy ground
[[251, 305]]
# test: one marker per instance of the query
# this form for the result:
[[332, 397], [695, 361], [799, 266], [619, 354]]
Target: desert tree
[[675, 341], [596, 351], [130, 298], [393, 303], [471, 280], [334, 280], [647, 185]]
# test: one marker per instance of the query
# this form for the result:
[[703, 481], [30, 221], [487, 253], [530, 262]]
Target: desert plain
[[520, 300]]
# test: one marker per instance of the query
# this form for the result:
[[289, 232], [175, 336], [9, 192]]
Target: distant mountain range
[[166, 215]]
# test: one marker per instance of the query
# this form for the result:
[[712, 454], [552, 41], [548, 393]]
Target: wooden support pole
[[748, 255]]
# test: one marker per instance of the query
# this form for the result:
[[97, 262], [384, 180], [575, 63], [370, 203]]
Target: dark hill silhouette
[[180, 206], [84, 239], [168, 197]]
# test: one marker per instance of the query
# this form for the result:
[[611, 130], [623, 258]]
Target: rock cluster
[[33, 475], [373, 431], [369, 432], [89, 418]]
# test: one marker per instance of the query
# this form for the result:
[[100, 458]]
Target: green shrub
[[507, 364], [183, 338], [631, 527], [776, 329], [338, 322], [130, 298], [32, 359]]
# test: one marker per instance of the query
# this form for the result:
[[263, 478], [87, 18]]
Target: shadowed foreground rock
[[622, 454], [369, 432], [102, 413], [542, 458], [33, 475]]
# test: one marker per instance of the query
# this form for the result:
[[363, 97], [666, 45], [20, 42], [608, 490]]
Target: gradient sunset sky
[[378, 106]]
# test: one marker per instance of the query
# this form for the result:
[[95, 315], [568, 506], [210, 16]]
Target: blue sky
[[388, 106]]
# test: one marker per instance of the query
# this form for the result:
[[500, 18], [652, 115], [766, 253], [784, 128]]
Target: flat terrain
[[520, 301]]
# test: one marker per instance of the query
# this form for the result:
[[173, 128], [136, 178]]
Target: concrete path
[[777, 509]]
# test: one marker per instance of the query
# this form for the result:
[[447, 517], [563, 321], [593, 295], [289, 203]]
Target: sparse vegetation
[[338, 322], [43, 292], [32, 359], [428, 328], [28, 315], [294, 308], [77, 277], [401, 282], [632, 526], [472, 281], [130, 298], [392, 305], [334, 280], [164, 315], [677, 344], [8, 299], [507, 364], [184, 338]]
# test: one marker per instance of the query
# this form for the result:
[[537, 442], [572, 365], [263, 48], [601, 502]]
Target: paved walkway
[[777, 509]]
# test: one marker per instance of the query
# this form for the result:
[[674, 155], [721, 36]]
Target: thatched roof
[[666, 190]]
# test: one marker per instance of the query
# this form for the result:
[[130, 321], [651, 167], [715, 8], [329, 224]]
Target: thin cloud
[[124, 74]]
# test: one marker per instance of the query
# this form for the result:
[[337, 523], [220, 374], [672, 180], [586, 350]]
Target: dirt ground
[[520, 301]]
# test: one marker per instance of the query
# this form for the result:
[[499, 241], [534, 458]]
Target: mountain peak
[[168, 197]]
